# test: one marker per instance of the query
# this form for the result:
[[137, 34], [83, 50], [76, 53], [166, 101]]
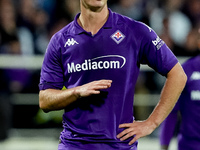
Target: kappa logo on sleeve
[[118, 36], [71, 42]]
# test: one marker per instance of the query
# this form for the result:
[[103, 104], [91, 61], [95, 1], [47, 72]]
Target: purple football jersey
[[75, 57], [189, 107]]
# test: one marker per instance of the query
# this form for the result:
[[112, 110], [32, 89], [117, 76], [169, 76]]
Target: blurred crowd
[[26, 27]]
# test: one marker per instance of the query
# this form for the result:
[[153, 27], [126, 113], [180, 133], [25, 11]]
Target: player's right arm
[[53, 99]]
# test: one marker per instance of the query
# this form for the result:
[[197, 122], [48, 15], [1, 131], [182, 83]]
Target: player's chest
[[113, 43]]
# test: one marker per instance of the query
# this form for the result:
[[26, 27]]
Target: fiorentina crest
[[118, 36]]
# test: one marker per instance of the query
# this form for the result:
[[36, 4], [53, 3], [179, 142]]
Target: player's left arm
[[175, 83]]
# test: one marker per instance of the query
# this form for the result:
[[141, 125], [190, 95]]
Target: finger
[[94, 92], [125, 125], [99, 87], [128, 135], [110, 81], [105, 82], [102, 81], [133, 140], [124, 133]]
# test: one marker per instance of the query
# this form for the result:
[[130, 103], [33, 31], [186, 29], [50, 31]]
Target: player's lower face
[[92, 4]]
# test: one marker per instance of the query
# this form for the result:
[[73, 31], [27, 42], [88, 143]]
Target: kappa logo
[[118, 36], [71, 42]]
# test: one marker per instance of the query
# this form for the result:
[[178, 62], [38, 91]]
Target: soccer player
[[97, 58], [188, 106]]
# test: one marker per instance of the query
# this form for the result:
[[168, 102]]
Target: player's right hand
[[92, 88]]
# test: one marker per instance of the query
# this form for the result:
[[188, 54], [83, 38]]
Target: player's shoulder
[[65, 30], [130, 23], [58, 38]]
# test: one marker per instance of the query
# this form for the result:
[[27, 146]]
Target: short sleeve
[[155, 53], [51, 72]]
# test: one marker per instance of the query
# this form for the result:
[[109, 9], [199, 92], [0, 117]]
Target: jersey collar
[[107, 25]]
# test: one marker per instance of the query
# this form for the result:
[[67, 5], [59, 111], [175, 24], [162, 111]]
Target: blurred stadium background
[[26, 27]]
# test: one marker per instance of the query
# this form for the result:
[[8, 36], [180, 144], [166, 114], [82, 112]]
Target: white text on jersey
[[195, 95], [158, 43], [102, 62], [195, 76]]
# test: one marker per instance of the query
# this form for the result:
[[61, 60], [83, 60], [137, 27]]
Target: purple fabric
[[20, 75], [95, 146], [167, 128], [75, 57], [189, 107]]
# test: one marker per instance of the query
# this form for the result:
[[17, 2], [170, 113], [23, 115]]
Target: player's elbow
[[181, 80], [177, 75], [42, 102], [184, 78], [43, 107]]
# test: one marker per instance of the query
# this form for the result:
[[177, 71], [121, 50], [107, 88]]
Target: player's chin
[[98, 5]]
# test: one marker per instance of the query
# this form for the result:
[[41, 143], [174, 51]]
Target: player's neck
[[92, 21]]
